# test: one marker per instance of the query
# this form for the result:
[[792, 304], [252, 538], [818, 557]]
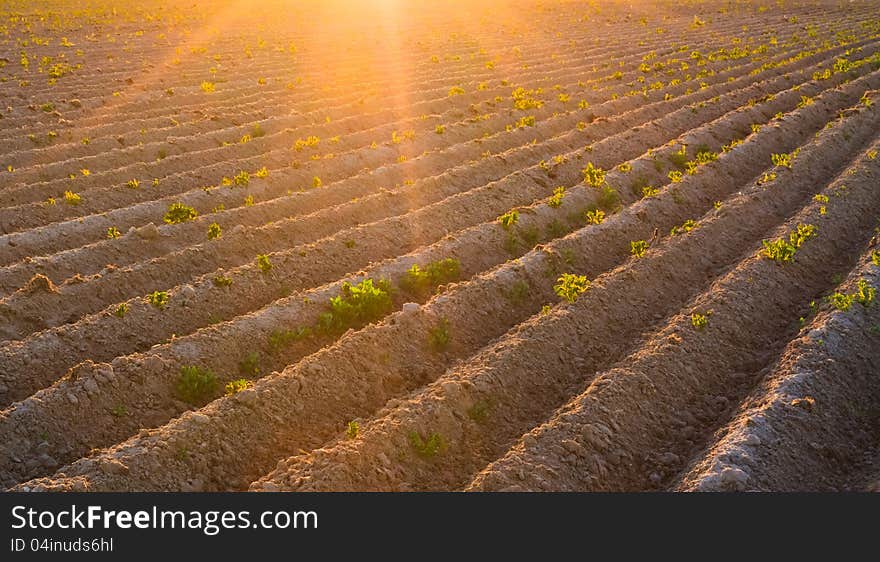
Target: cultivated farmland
[[588, 246]]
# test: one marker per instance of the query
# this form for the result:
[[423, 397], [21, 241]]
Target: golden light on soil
[[438, 246]]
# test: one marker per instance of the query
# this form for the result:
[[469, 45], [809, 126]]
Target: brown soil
[[699, 365]]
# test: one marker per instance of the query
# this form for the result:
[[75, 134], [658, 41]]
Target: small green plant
[[250, 365], [222, 281], [865, 293], [649, 191], [526, 121], [397, 138], [840, 301], [422, 281], [814, 308], [302, 144], [511, 243], [555, 229], [766, 178], [357, 305], [556, 199], [113, 232], [121, 310], [439, 336], [570, 286], [699, 321], [235, 386], [688, 225], [280, 339], [352, 429], [782, 250], [132, 184], [783, 160], [875, 257], [705, 156], [214, 231], [429, 447], [518, 292], [596, 216], [675, 176], [609, 199], [530, 235], [72, 198], [159, 299], [801, 234], [679, 158], [593, 176], [178, 213], [241, 179], [638, 248], [509, 218], [479, 411], [263, 263], [196, 385], [778, 250], [119, 411]]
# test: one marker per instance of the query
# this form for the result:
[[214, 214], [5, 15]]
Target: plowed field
[[550, 246]]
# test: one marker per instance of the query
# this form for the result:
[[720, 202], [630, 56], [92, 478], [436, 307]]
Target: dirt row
[[809, 421], [326, 374], [93, 257], [634, 425]]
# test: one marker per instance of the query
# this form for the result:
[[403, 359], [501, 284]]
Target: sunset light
[[437, 246]]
